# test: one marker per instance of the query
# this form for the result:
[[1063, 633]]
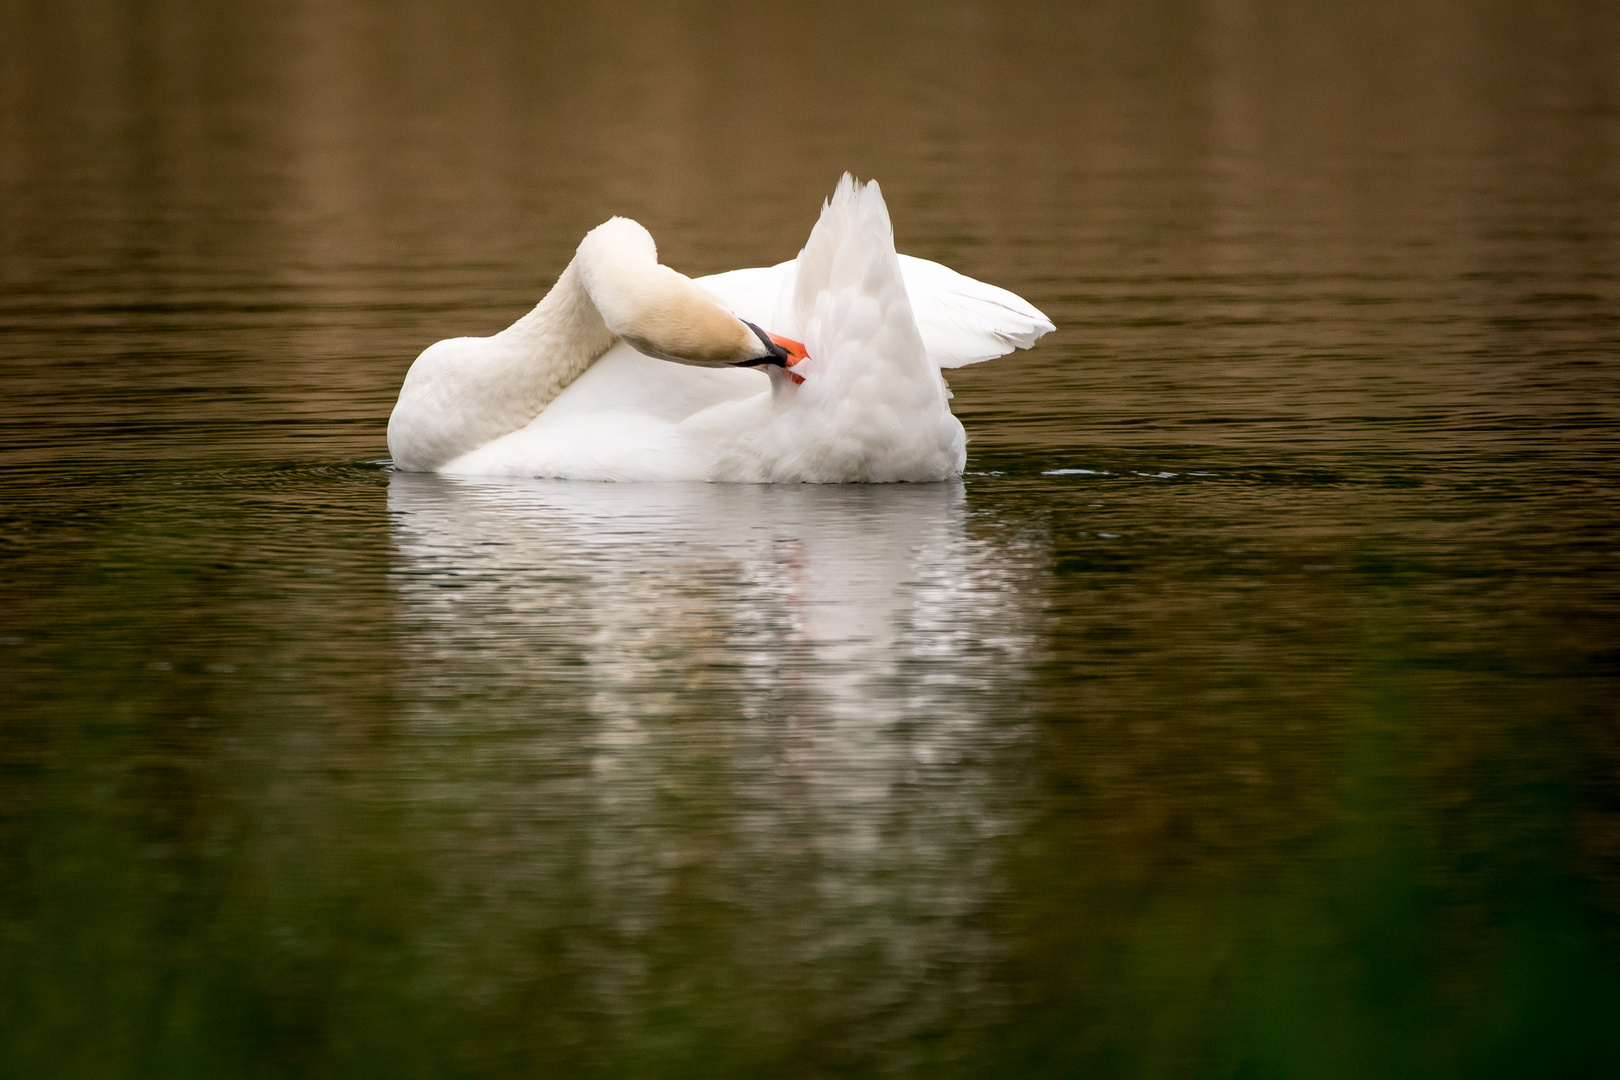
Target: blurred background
[[1248, 709]]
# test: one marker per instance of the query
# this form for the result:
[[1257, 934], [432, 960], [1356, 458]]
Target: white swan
[[582, 388]]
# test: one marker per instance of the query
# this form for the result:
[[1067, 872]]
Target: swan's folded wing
[[964, 321]]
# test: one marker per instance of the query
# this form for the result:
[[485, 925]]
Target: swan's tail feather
[[848, 298], [872, 400], [852, 233]]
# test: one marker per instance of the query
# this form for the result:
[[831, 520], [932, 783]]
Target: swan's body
[[582, 387]]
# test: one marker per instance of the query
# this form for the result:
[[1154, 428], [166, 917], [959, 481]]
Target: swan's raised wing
[[963, 321]]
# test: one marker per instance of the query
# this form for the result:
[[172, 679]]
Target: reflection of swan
[[795, 701], [571, 389], [858, 580]]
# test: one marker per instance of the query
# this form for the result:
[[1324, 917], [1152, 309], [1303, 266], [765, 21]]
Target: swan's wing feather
[[750, 294], [964, 321]]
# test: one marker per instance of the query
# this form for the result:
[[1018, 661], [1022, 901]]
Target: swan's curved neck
[[555, 342], [466, 392]]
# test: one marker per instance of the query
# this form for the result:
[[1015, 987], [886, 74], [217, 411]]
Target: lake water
[[1251, 708]]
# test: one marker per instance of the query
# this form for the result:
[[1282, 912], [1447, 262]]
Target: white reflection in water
[[809, 692]]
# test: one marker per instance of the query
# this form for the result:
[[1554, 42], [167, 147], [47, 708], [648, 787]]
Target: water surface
[[1248, 709]]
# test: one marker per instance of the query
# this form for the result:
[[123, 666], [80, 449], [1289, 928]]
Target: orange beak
[[795, 353], [794, 350]]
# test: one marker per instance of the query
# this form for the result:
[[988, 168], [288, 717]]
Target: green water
[[1248, 710]]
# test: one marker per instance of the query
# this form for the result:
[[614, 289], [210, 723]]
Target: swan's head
[[665, 314]]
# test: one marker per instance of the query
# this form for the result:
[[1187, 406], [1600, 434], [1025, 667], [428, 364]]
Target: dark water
[[1249, 709]]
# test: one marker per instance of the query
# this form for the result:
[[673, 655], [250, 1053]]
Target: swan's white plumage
[[872, 406]]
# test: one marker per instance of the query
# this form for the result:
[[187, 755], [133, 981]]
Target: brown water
[[1249, 709]]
